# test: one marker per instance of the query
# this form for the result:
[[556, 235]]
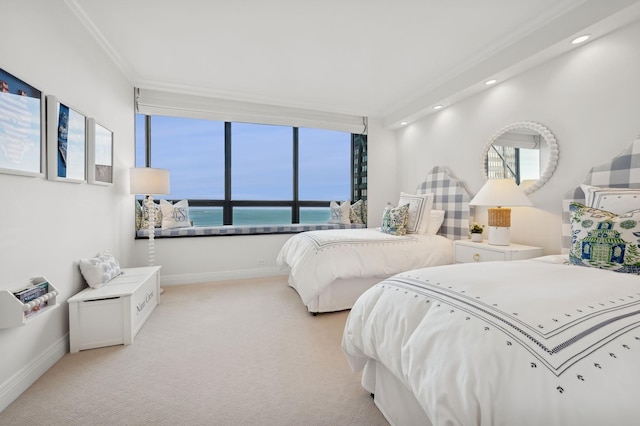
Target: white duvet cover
[[507, 343], [317, 258]]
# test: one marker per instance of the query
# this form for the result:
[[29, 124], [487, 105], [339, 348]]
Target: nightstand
[[467, 251]]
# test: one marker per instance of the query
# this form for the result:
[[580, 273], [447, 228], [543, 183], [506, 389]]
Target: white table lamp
[[498, 193], [148, 181]]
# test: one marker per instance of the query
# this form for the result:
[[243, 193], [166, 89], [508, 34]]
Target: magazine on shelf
[[31, 293]]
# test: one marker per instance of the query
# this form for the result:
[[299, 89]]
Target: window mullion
[[227, 212], [295, 212]]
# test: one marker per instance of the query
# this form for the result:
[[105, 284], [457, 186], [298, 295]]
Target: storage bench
[[114, 313]]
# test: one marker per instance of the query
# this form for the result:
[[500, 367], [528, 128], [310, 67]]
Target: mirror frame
[[548, 138]]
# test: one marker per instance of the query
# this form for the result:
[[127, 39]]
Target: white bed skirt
[[398, 405], [340, 295]]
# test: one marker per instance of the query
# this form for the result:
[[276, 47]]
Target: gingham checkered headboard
[[622, 171], [450, 196]]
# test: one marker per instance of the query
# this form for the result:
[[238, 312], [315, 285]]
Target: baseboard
[[168, 280], [20, 382]]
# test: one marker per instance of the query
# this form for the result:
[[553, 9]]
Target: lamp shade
[[500, 193], [149, 181]]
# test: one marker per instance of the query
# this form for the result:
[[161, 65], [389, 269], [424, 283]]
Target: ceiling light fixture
[[581, 39], [490, 82], [437, 107], [403, 123]]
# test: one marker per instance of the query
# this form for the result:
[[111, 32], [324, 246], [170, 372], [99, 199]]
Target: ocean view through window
[[251, 174]]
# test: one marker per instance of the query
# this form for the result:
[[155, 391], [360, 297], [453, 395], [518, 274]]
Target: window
[[253, 174]]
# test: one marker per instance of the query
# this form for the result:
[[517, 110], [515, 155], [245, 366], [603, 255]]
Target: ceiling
[[393, 60]]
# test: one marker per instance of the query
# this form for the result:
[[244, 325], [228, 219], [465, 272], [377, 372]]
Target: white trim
[[156, 102], [180, 279], [11, 389]]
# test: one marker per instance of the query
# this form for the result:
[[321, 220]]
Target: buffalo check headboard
[[450, 196], [622, 171]]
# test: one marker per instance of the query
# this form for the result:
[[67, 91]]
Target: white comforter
[[317, 258], [507, 343]]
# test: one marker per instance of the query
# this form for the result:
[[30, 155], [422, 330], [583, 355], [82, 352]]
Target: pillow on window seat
[[339, 213], [175, 215], [142, 215], [355, 212]]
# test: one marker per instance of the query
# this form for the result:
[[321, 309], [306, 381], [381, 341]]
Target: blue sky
[[262, 160]]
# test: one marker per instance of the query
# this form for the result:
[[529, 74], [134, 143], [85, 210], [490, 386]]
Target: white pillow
[[175, 215], [436, 220], [419, 211], [614, 200], [99, 270], [339, 213]]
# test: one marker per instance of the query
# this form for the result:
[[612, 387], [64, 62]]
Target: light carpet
[[241, 352]]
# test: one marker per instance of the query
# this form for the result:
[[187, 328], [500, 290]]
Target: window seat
[[202, 231]]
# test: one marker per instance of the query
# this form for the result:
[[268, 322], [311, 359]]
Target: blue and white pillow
[[614, 200], [339, 213], [355, 212], [394, 219], [99, 270], [175, 215], [605, 240], [419, 211]]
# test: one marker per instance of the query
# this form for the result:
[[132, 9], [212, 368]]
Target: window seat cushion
[[199, 231]]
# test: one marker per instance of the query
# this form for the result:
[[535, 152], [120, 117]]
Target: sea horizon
[[212, 216]]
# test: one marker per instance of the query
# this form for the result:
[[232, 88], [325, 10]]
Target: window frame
[[358, 184]]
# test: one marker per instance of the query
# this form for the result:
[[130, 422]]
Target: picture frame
[[66, 142], [22, 124], [99, 153]]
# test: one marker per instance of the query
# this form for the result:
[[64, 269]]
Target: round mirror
[[524, 151]]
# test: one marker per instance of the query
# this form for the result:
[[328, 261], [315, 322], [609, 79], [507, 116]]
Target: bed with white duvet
[[548, 341], [528, 342], [330, 269]]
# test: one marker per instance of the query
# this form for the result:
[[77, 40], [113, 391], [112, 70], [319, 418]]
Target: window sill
[[215, 231]]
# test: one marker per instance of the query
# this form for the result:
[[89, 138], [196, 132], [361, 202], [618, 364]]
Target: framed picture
[[22, 136], [99, 153], [66, 142]]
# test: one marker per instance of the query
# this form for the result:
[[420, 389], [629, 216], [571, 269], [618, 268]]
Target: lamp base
[[499, 235]]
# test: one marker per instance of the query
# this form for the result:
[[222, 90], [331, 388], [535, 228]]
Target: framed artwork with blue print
[[22, 136]]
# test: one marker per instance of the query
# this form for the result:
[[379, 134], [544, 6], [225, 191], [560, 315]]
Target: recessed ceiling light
[[580, 39], [437, 107], [490, 82], [403, 123]]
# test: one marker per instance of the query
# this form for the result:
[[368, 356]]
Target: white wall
[[590, 100], [46, 225]]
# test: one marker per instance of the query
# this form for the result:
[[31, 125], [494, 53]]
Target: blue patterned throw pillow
[[99, 270], [394, 219], [355, 213], [605, 240]]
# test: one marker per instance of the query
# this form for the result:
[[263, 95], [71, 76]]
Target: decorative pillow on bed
[[99, 270], [605, 240], [339, 213], [615, 200], [355, 212], [419, 211], [435, 221], [175, 215], [394, 219]]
